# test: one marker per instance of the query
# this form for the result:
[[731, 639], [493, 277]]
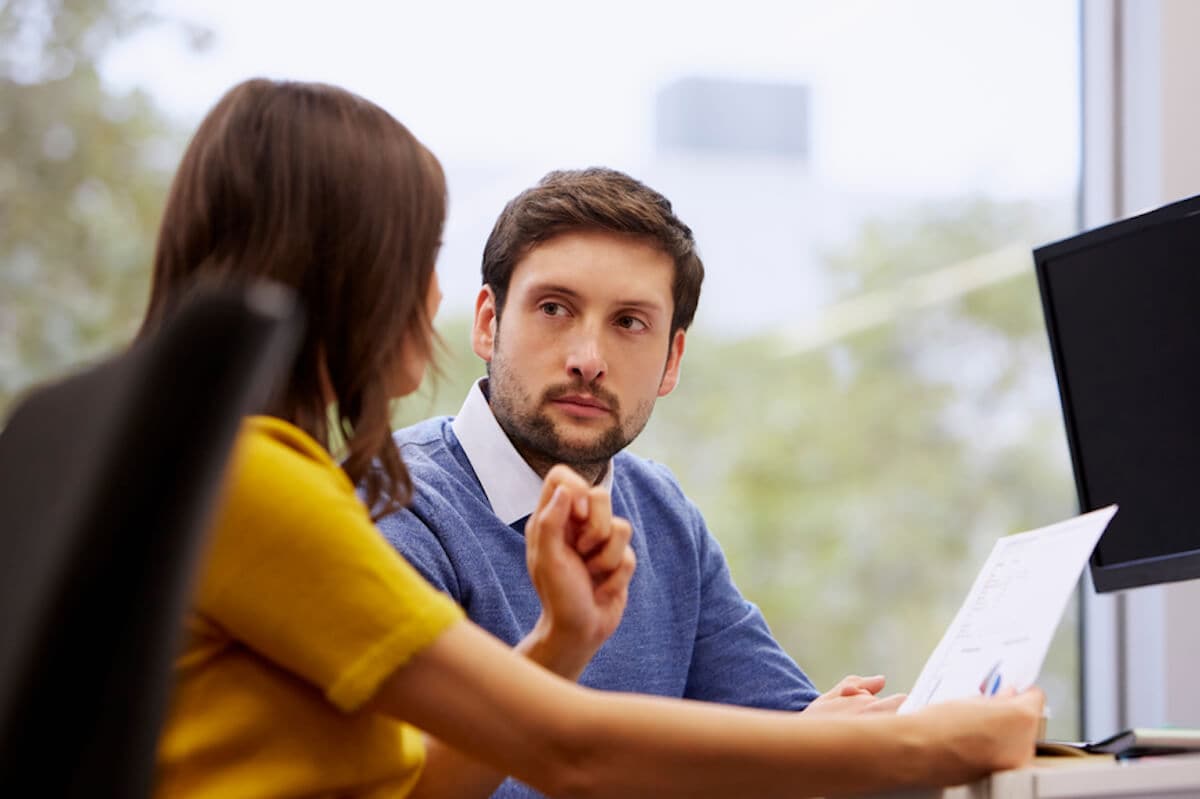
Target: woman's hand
[[983, 734]]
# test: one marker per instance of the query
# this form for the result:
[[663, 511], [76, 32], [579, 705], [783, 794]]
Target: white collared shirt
[[511, 485]]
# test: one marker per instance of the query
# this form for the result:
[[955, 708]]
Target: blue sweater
[[686, 632]]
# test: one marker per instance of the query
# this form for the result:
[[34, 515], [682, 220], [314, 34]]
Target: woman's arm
[[475, 694]]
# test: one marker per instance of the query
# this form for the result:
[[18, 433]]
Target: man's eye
[[551, 308], [630, 323]]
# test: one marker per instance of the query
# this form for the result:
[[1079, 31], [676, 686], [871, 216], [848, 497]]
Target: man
[[590, 284]]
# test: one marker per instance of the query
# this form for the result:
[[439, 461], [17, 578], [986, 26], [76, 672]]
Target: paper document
[[1000, 635]]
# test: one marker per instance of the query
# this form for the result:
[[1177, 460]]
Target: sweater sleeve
[[736, 660], [408, 532]]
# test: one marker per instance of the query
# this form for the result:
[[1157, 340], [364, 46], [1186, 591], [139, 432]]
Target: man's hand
[[580, 563], [854, 694]]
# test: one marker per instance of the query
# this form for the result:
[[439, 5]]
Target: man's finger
[[576, 487], [887, 704], [847, 686], [550, 517], [608, 555], [597, 526], [618, 579], [853, 684]]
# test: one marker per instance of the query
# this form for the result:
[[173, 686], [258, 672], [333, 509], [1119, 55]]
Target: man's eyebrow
[[556, 288], [553, 288], [642, 305]]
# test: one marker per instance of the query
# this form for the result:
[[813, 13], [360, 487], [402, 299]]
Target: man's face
[[583, 347]]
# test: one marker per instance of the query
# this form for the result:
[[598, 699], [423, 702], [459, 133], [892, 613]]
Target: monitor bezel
[[1146, 571]]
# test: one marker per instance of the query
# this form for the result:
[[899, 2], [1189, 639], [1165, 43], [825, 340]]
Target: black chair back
[[107, 482]]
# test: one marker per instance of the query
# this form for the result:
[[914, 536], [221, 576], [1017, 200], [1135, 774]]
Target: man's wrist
[[550, 650]]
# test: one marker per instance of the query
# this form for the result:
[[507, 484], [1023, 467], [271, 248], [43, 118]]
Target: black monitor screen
[[1122, 307]]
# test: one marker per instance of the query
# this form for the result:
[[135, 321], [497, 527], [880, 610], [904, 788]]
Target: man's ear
[[670, 376], [483, 331]]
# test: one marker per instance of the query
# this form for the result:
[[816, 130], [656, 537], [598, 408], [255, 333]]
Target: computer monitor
[[1122, 309]]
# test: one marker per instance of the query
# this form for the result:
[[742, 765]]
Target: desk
[[1172, 777]]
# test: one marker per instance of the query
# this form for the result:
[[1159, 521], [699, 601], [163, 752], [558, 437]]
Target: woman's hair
[[313, 187]]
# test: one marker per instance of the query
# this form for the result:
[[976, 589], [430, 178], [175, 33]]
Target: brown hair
[[598, 199], [318, 189]]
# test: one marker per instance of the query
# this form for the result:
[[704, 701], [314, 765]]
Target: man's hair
[[316, 188], [593, 199]]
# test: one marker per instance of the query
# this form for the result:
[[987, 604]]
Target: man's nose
[[585, 361]]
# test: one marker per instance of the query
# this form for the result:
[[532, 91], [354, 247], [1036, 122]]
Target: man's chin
[[583, 449], [582, 452]]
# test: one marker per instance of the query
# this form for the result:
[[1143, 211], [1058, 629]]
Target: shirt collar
[[511, 485]]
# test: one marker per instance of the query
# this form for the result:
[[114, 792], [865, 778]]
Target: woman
[[311, 642]]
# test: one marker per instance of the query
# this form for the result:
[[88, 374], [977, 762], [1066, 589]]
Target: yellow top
[[301, 610]]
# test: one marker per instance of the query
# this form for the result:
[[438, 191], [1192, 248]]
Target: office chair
[[107, 480]]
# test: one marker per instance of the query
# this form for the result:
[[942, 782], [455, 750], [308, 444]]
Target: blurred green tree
[[83, 172], [858, 471]]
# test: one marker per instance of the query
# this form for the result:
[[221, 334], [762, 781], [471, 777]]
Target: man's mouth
[[581, 405]]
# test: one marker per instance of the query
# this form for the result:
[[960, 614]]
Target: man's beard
[[533, 432]]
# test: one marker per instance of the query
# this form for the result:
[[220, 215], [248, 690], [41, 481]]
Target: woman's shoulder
[[279, 471], [270, 433], [271, 450]]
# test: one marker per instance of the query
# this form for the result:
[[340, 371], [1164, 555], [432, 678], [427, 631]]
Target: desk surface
[[1168, 777]]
